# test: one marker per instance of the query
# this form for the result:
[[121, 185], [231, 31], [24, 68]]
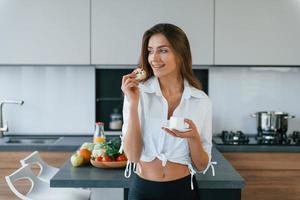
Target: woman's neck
[[171, 85]]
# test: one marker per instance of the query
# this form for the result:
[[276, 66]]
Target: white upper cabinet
[[118, 27], [257, 32], [44, 32]]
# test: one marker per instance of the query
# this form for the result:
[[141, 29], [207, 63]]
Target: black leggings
[[142, 189]]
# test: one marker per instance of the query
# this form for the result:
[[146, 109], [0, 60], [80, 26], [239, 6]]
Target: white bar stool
[[41, 190], [46, 172]]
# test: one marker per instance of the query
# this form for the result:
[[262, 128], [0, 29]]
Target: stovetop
[[240, 138]]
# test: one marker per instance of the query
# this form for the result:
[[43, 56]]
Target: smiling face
[[161, 57]]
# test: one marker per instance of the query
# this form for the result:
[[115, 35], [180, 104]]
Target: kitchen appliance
[[240, 138], [234, 137], [296, 137], [272, 122]]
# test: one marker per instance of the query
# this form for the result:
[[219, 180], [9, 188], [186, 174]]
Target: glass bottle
[[99, 136], [115, 120]]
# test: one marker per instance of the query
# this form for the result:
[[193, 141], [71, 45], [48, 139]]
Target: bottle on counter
[[99, 136], [115, 120]]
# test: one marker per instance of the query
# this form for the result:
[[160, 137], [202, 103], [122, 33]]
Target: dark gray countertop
[[72, 142], [91, 177], [63, 143], [252, 146]]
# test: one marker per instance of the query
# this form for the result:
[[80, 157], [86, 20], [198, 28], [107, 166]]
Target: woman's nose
[[156, 56]]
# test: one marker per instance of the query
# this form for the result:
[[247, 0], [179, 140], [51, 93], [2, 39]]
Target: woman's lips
[[157, 66]]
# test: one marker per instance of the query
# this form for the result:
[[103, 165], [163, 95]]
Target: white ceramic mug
[[177, 123]]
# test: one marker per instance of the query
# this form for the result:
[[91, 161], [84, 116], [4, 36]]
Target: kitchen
[[58, 56]]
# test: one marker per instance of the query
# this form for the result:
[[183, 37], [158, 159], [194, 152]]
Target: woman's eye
[[163, 51], [150, 51]]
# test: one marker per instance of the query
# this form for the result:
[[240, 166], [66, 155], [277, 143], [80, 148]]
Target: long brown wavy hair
[[181, 46]]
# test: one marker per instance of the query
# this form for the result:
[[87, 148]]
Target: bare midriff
[[154, 170]]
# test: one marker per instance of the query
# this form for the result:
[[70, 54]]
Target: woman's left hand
[[192, 133]]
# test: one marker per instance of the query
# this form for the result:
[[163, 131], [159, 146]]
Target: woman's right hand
[[130, 89]]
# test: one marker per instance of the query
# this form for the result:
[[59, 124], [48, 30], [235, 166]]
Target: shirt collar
[[152, 86]]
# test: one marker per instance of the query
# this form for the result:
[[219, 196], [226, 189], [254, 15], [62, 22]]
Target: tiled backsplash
[[237, 92]]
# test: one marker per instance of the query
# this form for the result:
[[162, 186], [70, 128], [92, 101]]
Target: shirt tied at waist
[[163, 159], [193, 172], [129, 165], [211, 164]]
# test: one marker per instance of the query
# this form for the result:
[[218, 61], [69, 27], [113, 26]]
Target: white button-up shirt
[[153, 114]]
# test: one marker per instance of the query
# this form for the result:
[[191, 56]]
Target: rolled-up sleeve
[[126, 119], [125, 116], [206, 130]]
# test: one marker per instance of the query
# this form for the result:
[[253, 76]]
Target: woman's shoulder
[[200, 99], [200, 94]]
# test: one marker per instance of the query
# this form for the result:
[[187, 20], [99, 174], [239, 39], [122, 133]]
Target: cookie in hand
[[140, 74]]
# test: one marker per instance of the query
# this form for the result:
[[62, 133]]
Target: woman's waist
[[155, 171], [173, 157]]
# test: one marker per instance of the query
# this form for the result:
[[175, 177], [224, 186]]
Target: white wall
[[56, 99], [238, 92]]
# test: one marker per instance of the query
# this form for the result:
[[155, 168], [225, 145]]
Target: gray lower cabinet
[[257, 32], [44, 32], [107, 194]]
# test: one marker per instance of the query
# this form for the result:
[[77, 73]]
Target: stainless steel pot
[[272, 122]]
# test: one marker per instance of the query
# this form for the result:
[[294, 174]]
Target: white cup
[[177, 123]]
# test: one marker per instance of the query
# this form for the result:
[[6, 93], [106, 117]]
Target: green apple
[[77, 160]]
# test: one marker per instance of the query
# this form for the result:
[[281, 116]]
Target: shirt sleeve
[[125, 116], [125, 113], [206, 131]]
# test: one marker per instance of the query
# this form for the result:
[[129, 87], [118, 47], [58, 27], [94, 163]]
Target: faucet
[[2, 102]]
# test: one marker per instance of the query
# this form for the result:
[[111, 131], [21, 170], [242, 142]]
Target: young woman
[[164, 158]]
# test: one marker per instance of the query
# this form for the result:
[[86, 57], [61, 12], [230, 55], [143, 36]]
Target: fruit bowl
[[105, 164]]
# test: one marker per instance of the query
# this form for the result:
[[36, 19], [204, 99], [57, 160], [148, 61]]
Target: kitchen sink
[[32, 140]]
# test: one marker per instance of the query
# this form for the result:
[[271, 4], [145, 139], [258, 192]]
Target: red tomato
[[99, 158], [107, 159], [121, 157]]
